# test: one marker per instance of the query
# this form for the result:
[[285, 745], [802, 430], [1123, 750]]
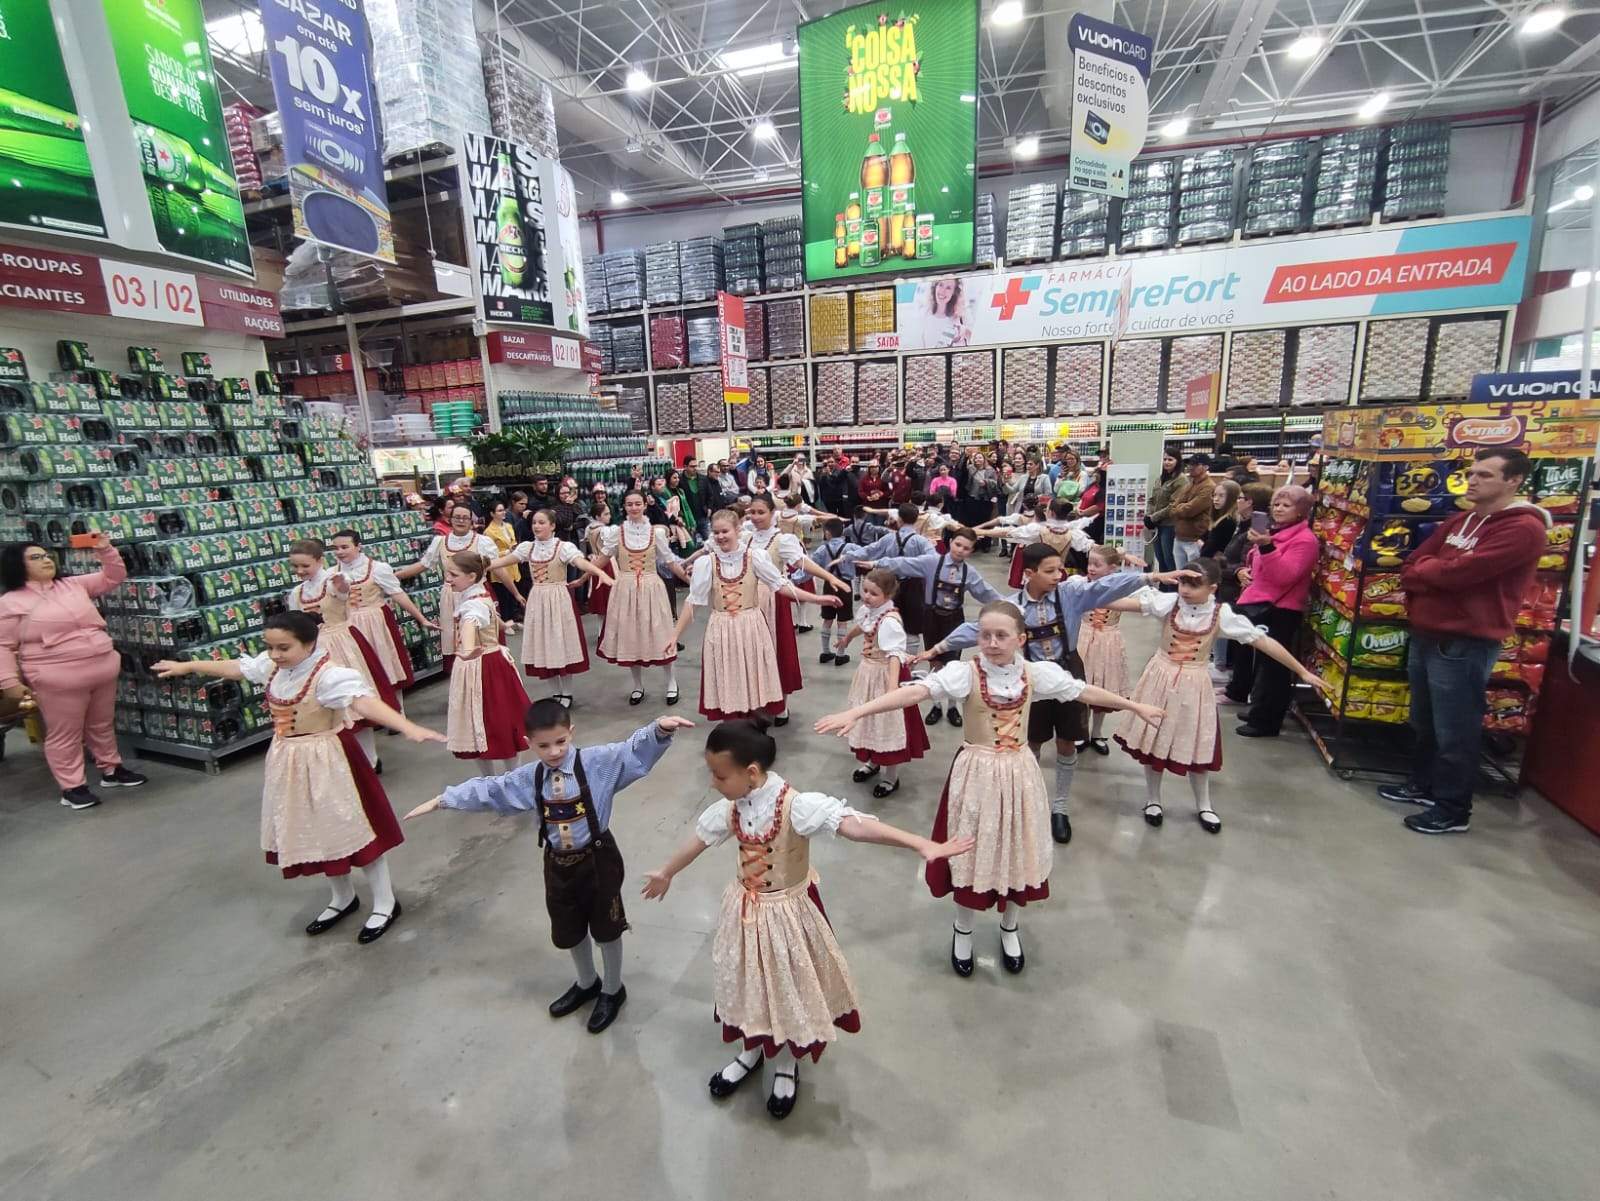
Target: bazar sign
[[534, 350], [1560, 429], [1367, 273], [83, 283]]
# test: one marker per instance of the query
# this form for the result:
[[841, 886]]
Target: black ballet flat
[[963, 966], [825, 657], [864, 773], [954, 718], [374, 933], [781, 721], [934, 716], [1013, 963], [377, 768], [672, 697], [1211, 823], [884, 788], [1061, 828], [606, 1008], [840, 660], [782, 1107], [804, 629], [1100, 745], [721, 1086], [319, 926], [1080, 744], [635, 697], [1152, 815], [574, 999]]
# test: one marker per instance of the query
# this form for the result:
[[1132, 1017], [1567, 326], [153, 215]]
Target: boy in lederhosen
[[572, 792]]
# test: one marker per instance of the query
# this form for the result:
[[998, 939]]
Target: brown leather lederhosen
[[582, 888]]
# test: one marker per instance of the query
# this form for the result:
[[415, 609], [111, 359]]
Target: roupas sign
[[1110, 103], [1373, 273]]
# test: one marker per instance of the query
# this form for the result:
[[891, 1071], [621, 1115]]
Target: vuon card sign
[[1110, 103]]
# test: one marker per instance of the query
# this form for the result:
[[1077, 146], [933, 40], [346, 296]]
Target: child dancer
[[1101, 646], [900, 542], [459, 538], [786, 553], [326, 593], [1052, 609], [639, 612], [486, 697], [599, 523], [553, 645], [886, 741], [830, 554], [323, 808], [1189, 741], [1057, 532], [738, 664], [994, 795], [780, 979], [573, 793], [372, 586]]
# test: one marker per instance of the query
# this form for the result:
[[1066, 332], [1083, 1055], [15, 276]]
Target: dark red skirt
[[850, 1023], [1177, 769], [937, 873], [916, 733], [1015, 578], [572, 669], [505, 705], [387, 693], [789, 677], [599, 597], [400, 650], [375, 805]]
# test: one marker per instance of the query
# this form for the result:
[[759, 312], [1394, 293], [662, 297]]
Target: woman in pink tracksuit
[[53, 643]]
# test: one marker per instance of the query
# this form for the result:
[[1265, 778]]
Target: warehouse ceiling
[[707, 73]]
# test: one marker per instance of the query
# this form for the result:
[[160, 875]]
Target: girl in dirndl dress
[[1059, 532], [738, 662], [487, 703], [780, 981], [886, 740], [323, 808], [599, 522], [459, 538], [995, 792], [1101, 646], [553, 645], [326, 593], [1188, 742], [371, 585], [639, 611]]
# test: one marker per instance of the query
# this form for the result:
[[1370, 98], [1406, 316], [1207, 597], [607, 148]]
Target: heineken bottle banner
[[508, 231], [42, 151], [322, 77], [888, 137], [164, 65]]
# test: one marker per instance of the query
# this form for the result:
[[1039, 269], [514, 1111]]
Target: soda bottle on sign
[[510, 241], [852, 226], [871, 246], [924, 235], [902, 175], [874, 177], [841, 243], [908, 241]]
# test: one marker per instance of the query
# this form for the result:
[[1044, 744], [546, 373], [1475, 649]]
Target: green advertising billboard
[[888, 137], [46, 182], [171, 92]]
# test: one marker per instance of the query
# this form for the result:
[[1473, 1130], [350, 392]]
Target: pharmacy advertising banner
[[164, 64], [888, 137], [1370, 273], [1110, 103], [507, 217], [42, 152], [322, 78]]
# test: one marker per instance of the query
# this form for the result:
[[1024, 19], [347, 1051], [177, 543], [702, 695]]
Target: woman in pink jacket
[[1276, 579], [54, 645]]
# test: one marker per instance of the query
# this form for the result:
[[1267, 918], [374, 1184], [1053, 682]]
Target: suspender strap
[[583, 799]]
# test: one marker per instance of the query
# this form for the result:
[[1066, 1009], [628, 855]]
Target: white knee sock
[[891, 773], [1152, 786], [964, 924], [368, 739], [1010, 943], [611, 966], [638, 678], [1200, 785], [342, 892], [484, 767], [383, 902], [1097, 721], [670, 675], [583, 962], [1066, 765], [785, 1081]]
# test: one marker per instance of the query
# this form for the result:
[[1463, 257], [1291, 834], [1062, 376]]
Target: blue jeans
[[1165, 535], [1448, 678]]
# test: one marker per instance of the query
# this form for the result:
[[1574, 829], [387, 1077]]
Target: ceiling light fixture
[[618, 197], [765, 130], [1542, 21], [1305, 46], [1581, 279], [753, 60], [1175, 128], [968, 98], [1375, 104], [1027, 147], [1583, 192], [1006, 13], [639, 81]]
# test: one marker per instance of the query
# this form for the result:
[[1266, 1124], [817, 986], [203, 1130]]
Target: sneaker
[[1435, 822], [79, 798], [1405, 794], [122, 777]]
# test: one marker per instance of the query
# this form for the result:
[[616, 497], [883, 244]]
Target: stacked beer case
[[202, 483]]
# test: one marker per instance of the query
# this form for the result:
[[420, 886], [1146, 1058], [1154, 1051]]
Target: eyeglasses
[[39, 557]]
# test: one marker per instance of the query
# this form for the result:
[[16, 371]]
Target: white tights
[[1097, 721], [669, 678], [494, 767], [1010, 917], [343, 890], [1199, 785]]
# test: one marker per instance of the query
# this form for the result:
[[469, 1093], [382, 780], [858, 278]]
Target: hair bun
[[760, 721]]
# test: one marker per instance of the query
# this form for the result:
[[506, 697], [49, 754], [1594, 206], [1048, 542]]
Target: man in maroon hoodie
[[1465, 585]]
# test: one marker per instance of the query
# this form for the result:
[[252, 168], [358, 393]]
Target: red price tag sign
[[152, 293]]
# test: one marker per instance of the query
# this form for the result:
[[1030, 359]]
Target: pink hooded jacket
[[45, 626], [1282, 576]]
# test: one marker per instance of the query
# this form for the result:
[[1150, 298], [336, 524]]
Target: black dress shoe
[[804, 629], [374, 933], [840, 660], [1249, 731], [933, 716], [954, 718], [574, 998], [1013, 963], [377, 768], [721, 1086], [635, 697], [864, 773], [672, 697], [1152, 815], [781, 721], [825, 657], [963, 966], [1100, 745], [320, 926], [606, 1008], [1061, 828], [884, 788], [1211, 823], [782, 1107]]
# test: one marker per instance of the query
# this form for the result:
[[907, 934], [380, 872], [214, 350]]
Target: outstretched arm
[[1128, 604], [858, 829], [686, 610], [411, 570], [1273, 649], [817, 571], [220, 669], [902, 697], [374, 710], [410, 606], [657, 882]]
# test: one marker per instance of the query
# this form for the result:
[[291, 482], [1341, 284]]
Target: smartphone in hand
[[1261, 522]]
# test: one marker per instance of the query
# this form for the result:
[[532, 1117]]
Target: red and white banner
[[1375, 272], [534, 350], [735, 356], [85, 283]]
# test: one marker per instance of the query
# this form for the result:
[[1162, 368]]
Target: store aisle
[[1314, 1002]]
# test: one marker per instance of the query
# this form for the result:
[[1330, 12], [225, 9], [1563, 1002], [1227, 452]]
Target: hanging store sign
[[508, 232], [42, 148], [322, 78], [82, 283], [1370, 273], [1535, 385], [535, 350], [735, 357], [1560, 429], [1110, 103], [164, 63], [888, 137]]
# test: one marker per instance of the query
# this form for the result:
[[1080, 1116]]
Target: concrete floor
[[1314, 1003]]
